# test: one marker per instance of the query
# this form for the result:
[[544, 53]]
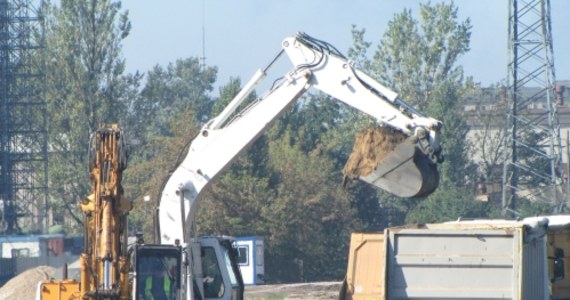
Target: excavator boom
[[407, 169]]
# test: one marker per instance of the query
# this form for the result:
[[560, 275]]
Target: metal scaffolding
[[532, 165], [23, 119]]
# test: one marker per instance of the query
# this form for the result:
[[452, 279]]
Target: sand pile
[[371, 146], [24, 286]]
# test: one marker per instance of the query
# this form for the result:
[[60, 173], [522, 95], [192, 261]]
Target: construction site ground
[[24, 286]]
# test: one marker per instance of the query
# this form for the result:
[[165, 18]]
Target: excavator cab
[[221, 274], [161, 271], [157, 272]]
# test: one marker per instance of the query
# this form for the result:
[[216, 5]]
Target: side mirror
[[558, 263]]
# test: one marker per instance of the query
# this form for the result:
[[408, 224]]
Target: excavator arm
[[409, 171]]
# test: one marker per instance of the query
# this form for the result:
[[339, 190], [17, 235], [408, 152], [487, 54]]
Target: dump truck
[[475, 259]]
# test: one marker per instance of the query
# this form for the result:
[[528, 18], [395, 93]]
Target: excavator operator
[[159, 284]]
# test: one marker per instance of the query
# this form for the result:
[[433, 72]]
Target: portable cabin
[[251, 259]]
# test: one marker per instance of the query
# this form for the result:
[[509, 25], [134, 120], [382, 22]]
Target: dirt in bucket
[[370, 148]]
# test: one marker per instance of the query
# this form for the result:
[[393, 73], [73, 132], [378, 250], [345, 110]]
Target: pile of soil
[[371, 146], [24, 286]]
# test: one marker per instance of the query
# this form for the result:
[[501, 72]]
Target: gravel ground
[[24, 286], [294, 291]]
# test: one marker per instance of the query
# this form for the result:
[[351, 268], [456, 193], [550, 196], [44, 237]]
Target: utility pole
[[533, 156]]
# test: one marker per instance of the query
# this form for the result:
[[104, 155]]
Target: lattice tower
[[23, 117], [532, 165]]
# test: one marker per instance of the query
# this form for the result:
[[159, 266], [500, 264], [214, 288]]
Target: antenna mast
[[203, 58]]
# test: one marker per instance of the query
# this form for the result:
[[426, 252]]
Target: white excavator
[[205, 267], [186, 267]]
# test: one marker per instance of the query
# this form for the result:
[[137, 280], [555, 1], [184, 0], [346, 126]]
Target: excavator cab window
[[230, 254], [214, 265], [158, 274], [213, 280]]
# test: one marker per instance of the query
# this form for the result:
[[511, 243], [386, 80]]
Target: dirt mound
[[24, 286], [371, 146]]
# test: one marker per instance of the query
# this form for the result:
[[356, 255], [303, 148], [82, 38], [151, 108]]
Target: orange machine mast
[[105, 261]]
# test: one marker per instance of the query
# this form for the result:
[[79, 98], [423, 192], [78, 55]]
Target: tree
[[165, 118], [415, 57], [489, 133], [418, 59], [149, 167], [232, 205], [458, 170], [310, 218], [85, 86], [285, 183], [447, 205], [179, 86]]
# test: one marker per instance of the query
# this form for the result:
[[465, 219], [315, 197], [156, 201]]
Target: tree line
[[288, 186]]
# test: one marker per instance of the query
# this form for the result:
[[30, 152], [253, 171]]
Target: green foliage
[[233, 206], [309, 121], [85, 86], [357, 52], [446, 106], [149, 167], [164, 120], [398, 59], [310, 218], [180, 86], [489, 139], [447, 204], [418, 59], [287, 189], [526, 208], [415, 56]]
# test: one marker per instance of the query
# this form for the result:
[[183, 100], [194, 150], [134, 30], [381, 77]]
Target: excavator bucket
[[406, 172], [389, 160]]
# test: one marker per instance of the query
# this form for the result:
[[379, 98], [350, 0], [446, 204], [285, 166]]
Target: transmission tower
[[23, 123], [533, 149]]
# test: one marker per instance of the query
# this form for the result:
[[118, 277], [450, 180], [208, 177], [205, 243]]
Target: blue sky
[[243, 36]]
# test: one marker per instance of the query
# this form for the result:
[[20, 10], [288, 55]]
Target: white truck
[[477, 259]]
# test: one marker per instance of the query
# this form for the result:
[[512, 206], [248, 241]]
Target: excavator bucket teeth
[[405, 172]]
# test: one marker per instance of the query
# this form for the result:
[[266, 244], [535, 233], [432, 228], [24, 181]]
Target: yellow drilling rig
[[105, 260]]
